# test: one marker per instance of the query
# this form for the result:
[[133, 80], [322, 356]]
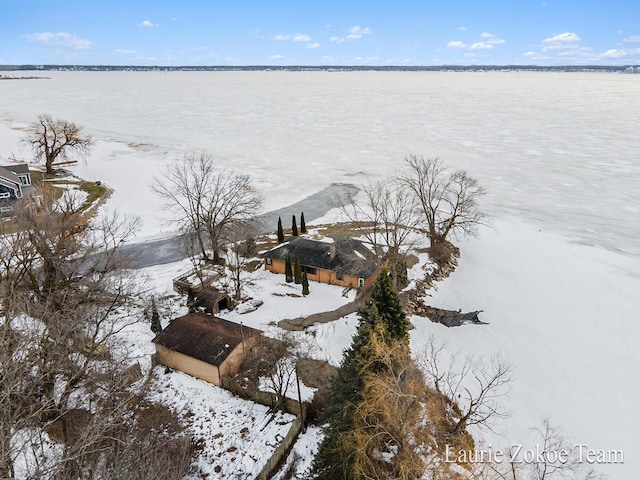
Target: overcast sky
[[272, 32]]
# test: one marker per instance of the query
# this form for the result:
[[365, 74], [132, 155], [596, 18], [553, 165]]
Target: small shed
[[212, 301], [204, 346]]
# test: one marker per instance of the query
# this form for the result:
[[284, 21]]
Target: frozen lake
[[560, 150], [557, 275]]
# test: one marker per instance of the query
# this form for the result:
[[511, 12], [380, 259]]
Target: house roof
[[204, 337], [343, 255], [18, 169], [5, 172]]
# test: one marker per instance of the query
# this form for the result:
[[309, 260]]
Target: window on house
[[339, 275], [361, 282], [25, 180], [268, 261], [5, 194], [5, 209], [309, 270]]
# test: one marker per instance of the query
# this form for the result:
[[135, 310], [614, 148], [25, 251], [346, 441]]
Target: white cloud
[[481, 46], [126, 52], [562, 38], [173, 19], [487, 35], [456, 44], [276, 57], [354, 33], [531, 54], [298, 37], [496, 41], [313, 45], [462, 29], [614, 53], [358, 30], [60, 38], [563, 41], [632, 39], [148, 24], [328, 25]]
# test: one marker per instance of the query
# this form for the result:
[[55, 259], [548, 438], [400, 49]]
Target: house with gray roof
[[346, 262], [15, 182]]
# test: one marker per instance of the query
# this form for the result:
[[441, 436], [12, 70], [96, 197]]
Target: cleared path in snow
[[169, 250]]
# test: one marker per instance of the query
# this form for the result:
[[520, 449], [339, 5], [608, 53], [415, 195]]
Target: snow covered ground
[[557, 274]]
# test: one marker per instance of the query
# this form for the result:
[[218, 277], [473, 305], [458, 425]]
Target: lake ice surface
[[560, 150], [558, 153]]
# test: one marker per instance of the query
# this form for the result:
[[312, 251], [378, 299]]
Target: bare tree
[[553, 457], [58, 360], [448, 199], [474, 386], [386, 217], [240, 250], [206, 200], [53, 138]]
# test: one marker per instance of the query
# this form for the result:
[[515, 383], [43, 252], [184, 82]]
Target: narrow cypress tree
[[294, 227], [191, 300], [288, 274], [280, 231], [303, 226], [156, 326], [305, 284], [297, 272]]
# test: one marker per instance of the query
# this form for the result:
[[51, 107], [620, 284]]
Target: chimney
[[332, 250]]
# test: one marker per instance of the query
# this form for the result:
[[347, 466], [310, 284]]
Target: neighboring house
[[204, 346], [341, 261], [15, 182]]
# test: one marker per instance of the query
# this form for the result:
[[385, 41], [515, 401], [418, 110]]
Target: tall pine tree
[[389, 307], [280, 231], [305, 284], [294, 226], [288, 274], [297, 271], [156, 326], [303, 226], [384, 312]]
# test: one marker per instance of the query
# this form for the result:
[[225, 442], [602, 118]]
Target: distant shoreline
[[4, 77], [329, 68]]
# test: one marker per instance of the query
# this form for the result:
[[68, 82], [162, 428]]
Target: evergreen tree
[[287, 270], [156, 326], [297, 272], [294, 226], [389, 307], [303, 226], [191, 300], [305, 284], [280, 231]]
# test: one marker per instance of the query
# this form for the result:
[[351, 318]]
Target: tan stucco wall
[[232, 363], [322, 276], [189, 365]]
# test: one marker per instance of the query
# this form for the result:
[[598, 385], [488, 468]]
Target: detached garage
[[204, 346]]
